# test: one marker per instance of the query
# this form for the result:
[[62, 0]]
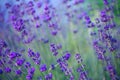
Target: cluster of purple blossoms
[[30, 73], [43, 67], [54, 48], [33, 20], [81, 70], [48, 76], [34, 56], [99, 50]]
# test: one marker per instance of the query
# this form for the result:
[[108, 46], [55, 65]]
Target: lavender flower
[[48, 76], [18, 72], [43, 68], [12, 55], [67, 56], [1, 71], [20, 61], [56, 26], [8, 70], [27, 65], [81, 70], [29, 77], [31, 70]]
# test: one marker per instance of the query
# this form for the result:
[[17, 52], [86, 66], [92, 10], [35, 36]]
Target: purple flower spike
[[78, 58], [30, 53], [29, 77], [7, 70], [39, 5], [59, 46], [37, 55], [37, 62], [1, 71], [111, 71], [78, 1], [19, 61], [83, 75], [12, 55], [18, 72], [43, 68], [87, 18], [67, 56], [31, 70], [7, 5], [106, 2], [27, 65], [54, 48], [48, 76], [2, 44], [1, 62], [54, 32], [30, 4], [52, 66]]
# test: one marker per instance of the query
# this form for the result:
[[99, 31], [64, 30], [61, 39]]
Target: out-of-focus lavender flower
[[2, 44], [39, 4], [104, 16], [20, 61], [54, 32], [99, 50], [37, 55], [89, 23], [48, 76], [34, 56], [29, 18], [27, 65], [78, 1], [31, 70], [111, 71], [31, 53], [18, 72], [7, 5], [45, 40], [81, 70], [78, 58], [1, 62], [67, 56], [54, 48], [29, 77], [87, 18], [37, 62], [12, 55], [43, 68], [106, 2], [52, 66], [30, 73], [1, 71], [8, 70]]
